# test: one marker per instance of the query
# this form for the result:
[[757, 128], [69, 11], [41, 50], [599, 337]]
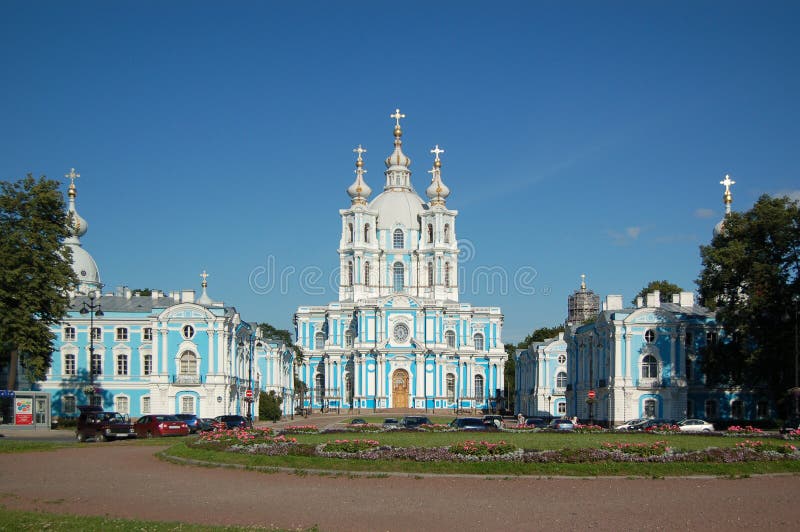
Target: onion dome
[[204, 299], [83, 264], [727, 199], [398, 176], [359, 191], [437, 191]]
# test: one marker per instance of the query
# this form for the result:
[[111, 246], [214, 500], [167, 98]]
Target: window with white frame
[[398, 239], [649, 367], [97, 333], [430, 233], [562, 359], [147, 334], [366, 273], [319, 387], [649, 336], [446, 233], [187, 404], [69, 364], [366, 233], [96, 400], [561, 379], [188, 363], [70, 405], [398, 274], [350, 274], [430, 274], [146, 404], [122, 334], [349, 233], [649, 408], [710, 409], [122, 364], [188, 332], [319, 340], [479, 388], [69, 334], [450, 383], [147, 365], [478, 340], [348, 339], [121, 404], [561, 408], [450, 339], [97, 363], [447, 274]]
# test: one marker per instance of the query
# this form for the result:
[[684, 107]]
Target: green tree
[[509, 373], [35, 273], [269, 406], [539, 335], [665, 287], [142, 292], [750, 278], [268, 331]]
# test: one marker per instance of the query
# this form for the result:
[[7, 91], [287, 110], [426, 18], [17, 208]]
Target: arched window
[[398, 241], [447, 274], [366, 233], [478, 342], [479, 388], [737, 409], [650, 408], [349, 232], [446, 233], [450, 383], [430, 232], [188, 363], [319, 387], [366, 273], [398, 272], [349, 274], [710, 409], [450, 339], [649, 367], [319, 340], [561, 379], [430, 274]]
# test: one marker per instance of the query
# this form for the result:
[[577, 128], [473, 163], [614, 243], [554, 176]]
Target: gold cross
[[436, 151], [727, 182], [204, 275], [72, 175], [359, 151]]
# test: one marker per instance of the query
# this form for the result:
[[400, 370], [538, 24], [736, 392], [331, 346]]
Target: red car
[[160, 425]]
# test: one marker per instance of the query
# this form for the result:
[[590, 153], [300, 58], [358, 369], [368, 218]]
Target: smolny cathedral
[[397, 337]]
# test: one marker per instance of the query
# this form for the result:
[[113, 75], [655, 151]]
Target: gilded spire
[[359, 191], [727, 197], [204, 276], [71, 176], [398, 176], [437, 191]]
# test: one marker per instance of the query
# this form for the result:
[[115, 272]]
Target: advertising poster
[[23, 411]]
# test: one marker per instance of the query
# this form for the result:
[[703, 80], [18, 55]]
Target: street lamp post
[[796, 300], [92, 310]]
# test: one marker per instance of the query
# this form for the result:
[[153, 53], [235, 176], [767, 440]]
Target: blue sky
[[580, 137]]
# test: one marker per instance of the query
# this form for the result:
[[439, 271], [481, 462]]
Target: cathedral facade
[[398, 336]]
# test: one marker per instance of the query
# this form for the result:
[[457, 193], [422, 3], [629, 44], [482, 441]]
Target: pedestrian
[[520, 419]]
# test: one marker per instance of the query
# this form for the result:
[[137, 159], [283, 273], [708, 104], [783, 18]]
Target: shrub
[[269, 406]]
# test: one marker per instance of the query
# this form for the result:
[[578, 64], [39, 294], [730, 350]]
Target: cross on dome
[[204, 276], [436, 151], [359, 150], [397, 116], [727, 182], [72, 175]]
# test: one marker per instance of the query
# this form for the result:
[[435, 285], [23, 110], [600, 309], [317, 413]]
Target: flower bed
[[482, 448], [736, 430], [300, 429], [640, 449], [349, 446], [666, 428], [435, 427], [588, 428], [368, 427]]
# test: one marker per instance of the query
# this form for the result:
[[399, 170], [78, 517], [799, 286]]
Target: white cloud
[[703, 213], [633, 232], [625, 238], [793, 194]]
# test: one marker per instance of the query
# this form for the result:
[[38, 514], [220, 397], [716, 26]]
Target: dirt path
[[128, 481]]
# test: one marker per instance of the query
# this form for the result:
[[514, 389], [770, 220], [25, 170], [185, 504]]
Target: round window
[[188, 331], [401, 332], [649, 336], [562, 359]]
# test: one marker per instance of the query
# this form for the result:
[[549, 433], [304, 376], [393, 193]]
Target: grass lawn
[[19, 520], [533, 441]]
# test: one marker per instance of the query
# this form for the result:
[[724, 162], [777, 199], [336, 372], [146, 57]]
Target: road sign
[[248, 393], [591, 394]]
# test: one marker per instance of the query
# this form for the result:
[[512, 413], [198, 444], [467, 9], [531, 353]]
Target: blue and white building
[[398, 336], [541, 378]]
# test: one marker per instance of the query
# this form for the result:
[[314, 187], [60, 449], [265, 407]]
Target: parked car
[[535, 422], [233, 422], [628, 425], [695, 425], [152, 425], [94, 423], [358, 421], [391, 423], [562, 425], [468, 423], [412, 422], [190, 419], [654, 422], [207, 424], [493, 421], [793, 423]]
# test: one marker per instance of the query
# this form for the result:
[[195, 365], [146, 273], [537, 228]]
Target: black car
[[535, 422], [412, 422], [96, 424], [233, 422], [493, 421], [468, 423], [192, 420]]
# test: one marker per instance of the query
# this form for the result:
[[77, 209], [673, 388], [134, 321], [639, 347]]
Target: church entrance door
[[400, 389]]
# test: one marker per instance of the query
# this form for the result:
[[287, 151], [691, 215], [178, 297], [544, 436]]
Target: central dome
[[398, 207]]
